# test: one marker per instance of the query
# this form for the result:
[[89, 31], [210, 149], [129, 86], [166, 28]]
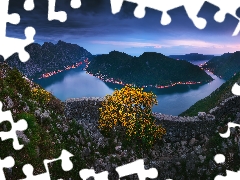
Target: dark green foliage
[[148, 69], [43, 136], [225, 66], [211, 101], [15, 80]]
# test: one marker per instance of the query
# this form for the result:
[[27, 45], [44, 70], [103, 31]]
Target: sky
[[95, 28]]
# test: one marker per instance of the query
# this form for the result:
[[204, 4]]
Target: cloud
[[128, 44], [94, 27], [170, 43], [193, 43], [168, 47]]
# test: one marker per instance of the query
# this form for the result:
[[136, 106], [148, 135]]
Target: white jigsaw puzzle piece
[[28, 5], [137, 167], [236, 89], [9, 46], [21, 125], [75, 4], [227, 7], [67, 165], [87, 173], [220, 158], [7, 162], [192, 8], [231, 175], [139, 12], [227, 134], [53, 15], [60, 15]]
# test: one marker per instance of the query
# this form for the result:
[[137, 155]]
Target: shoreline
[[111, 80]]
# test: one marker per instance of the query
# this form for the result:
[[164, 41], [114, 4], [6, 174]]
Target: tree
[[130, 108]]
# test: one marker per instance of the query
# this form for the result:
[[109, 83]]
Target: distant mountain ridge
[[224, 66], [150, 68], [192, 57], [48, 57]]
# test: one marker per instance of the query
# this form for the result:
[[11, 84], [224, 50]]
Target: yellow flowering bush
[[40, 95], [130, 108]]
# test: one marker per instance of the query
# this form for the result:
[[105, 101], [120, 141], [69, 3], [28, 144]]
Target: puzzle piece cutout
[[230, 176], [87, 173], [21, 125], [28, 5], [192, 8], [137, 167], [7, 162], [61, 15], [220, 158], [67, 165], [8, 45], [227, 133], [236, 89]]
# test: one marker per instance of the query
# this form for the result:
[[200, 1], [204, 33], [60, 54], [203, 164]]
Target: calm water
[[76, 83]]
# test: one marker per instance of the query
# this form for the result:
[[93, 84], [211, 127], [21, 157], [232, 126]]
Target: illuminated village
[[112, 80], [76, 65]]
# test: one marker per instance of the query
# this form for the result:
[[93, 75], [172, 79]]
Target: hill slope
[[48, 57], [148, 69], [224, 66], [48, 132], [211, 101], [192, 57]]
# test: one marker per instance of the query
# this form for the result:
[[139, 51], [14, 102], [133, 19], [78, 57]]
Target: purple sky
[[95, 28]]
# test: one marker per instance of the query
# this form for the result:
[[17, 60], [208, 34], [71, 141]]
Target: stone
[[192, 142], [22, 136], [183, 143], [37, 112], [201, 115], [26, 109], [202, 158], [9, 102], [198, 150], [118, 148], [85, 152], [45, 115]]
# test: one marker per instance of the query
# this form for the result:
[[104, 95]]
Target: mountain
[[48, 132], [186, 152], [48, 57], [214, 99], [150, 68], [224, 66], [192, 57]]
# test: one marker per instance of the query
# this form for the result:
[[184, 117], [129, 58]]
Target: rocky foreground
[[186, 152]]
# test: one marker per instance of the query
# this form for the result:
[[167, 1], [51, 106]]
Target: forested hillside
[[211, 101], [224, 66], [148, 69]]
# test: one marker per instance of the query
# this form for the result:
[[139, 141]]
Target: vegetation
[[211, 101], [130, 108], [39, 94], [48, 130], [148, 69], [225, 66]]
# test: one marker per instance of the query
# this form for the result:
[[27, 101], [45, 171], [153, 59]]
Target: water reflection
[[76, 83]]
